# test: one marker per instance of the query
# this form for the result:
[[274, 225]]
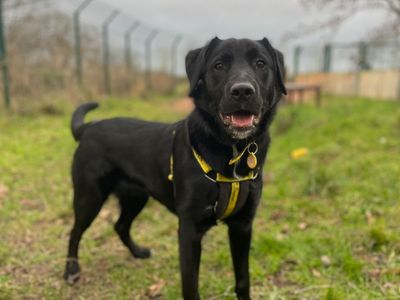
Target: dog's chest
[[231, 198]]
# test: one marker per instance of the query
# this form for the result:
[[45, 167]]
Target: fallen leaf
[[105, 213], [316, 273], [302, 225], [3, 190], [280, 237], [326, 260], [388, 285], [155, 289], [375, 273], [285, 228], [31, 204], [299, 153], [370, 217]]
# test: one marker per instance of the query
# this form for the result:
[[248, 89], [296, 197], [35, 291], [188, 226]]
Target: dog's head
[[236, 82]]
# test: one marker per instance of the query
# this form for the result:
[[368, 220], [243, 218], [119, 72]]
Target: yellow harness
[[219, 178]]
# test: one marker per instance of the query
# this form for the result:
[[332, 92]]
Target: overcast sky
[[198, 21], [237, 18]]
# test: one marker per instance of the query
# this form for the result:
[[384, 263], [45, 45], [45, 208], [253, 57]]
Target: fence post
[[77, 33], [174, 49], [3, 60], [326, 67], [398, 84], [147, 44], [296, 60], [128, 42], [363, 56], [128, 53], [106, 50]]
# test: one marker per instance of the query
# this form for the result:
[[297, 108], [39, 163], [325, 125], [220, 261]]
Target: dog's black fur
[[130, 157]]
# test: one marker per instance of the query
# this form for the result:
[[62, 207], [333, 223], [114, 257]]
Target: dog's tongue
[[242, 120]]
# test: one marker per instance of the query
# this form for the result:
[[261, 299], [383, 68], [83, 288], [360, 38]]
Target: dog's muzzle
[[243, 91], [239, 112]]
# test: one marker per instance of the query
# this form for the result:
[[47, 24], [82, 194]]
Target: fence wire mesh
[[43, 56], [346, 57]]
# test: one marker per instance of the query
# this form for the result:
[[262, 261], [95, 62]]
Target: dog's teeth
[[227, 120]]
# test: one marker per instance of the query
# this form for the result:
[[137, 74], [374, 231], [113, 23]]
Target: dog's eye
[[219, 66], [260, 64]]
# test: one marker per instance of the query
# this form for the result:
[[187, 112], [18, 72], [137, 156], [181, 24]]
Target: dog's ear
[[195, 65], [279, 65]]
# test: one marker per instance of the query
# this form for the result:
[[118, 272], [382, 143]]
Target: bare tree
[[342, 10]]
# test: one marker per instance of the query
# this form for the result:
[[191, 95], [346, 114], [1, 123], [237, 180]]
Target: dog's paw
[[141, 252], [72, 272]]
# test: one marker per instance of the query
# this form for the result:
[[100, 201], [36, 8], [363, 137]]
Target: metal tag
[[251, 161]]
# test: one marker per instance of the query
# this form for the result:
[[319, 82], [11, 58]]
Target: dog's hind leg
[[130, 208], [87, 204]]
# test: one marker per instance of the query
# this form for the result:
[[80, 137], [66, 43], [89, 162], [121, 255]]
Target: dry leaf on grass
[[3, 190], [302, 226], [31, 204], [316, 273], [370, 217], [374, 273], [299, 153], [155, 289], [105, 213], [326, 260]]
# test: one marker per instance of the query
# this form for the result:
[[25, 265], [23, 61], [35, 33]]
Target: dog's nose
[[243, 90]]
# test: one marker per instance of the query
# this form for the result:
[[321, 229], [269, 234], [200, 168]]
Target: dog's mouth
[[241, 120]]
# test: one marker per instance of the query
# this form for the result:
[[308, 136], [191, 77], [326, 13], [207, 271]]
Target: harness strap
[[203, 164], [171, 168], [233, 191], [171, 158], [226, 205], [233, 199], [218, 177]]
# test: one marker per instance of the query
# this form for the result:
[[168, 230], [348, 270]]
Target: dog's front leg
[[240, 239], [190, 236]]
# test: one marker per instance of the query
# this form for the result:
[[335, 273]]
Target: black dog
[[205, 168]]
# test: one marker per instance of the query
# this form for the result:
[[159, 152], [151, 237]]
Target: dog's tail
[[77, 122]]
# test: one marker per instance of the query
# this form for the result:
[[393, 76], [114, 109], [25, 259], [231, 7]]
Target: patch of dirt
[[279, 278], [30, 204]]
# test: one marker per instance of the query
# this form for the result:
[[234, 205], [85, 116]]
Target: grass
[[327, 228]]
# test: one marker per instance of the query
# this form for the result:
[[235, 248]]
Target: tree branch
[[341, 11], [333, 23], [394, 6]]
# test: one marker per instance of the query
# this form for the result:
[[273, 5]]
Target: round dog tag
[[251, 161]]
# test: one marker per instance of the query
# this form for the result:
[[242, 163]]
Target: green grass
[[327, 228]]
